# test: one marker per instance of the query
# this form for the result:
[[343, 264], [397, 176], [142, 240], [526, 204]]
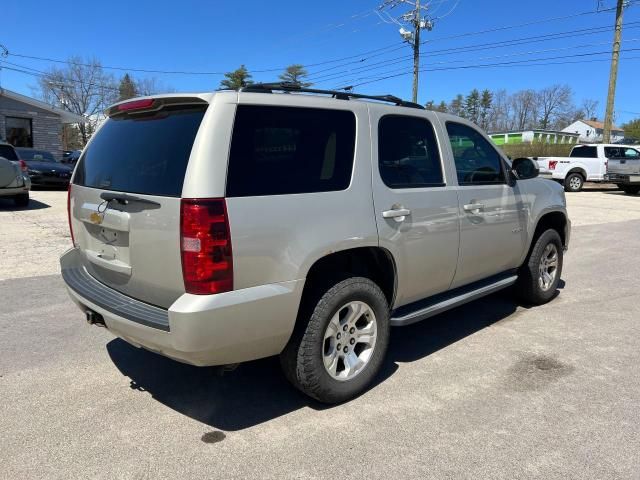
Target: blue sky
[[219, 36]]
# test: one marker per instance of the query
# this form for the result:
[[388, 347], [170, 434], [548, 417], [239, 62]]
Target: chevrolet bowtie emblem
[[95, 218]]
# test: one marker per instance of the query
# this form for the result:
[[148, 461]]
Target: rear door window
[[285, 150], [584, 152], [145, 154]]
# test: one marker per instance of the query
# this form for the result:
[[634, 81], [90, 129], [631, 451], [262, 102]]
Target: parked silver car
[[14, 180], [220, 228]]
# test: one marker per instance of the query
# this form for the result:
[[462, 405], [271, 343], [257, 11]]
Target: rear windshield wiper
[[125, 198]]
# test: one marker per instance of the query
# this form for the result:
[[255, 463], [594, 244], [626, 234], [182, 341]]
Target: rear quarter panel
[[277, 238]]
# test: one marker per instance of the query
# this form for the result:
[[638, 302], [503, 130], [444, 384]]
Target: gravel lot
[[489, 390]]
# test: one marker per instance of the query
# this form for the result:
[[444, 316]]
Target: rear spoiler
[[146, 105]]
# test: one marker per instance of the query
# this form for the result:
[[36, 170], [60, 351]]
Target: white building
[[591, 131]]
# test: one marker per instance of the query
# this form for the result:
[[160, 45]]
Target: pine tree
[[442, 107], [295, 74], [127, 88], [486, 101], [237, 79], [430, 105], [456, 107], [472, 105]]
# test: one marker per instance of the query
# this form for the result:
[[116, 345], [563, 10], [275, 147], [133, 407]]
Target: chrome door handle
[[470, 207], [398, 214]]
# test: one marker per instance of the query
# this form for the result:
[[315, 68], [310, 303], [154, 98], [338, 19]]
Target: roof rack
[[340, 95]]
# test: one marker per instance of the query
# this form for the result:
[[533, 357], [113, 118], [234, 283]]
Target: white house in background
[[591, 131]]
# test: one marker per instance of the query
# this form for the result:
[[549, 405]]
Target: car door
[[416, 208], [491, 211]]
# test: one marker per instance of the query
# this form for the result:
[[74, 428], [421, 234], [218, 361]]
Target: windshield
[[29, 155], [7, 152]]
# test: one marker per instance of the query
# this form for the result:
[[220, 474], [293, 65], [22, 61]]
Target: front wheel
[[338, 352], [573, 183], [539, 277], [631, 189]]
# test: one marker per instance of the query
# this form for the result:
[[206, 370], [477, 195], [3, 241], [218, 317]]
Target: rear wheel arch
[[580, 170]]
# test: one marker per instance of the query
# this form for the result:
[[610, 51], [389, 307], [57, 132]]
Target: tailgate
[[624, 166], [125, 198]]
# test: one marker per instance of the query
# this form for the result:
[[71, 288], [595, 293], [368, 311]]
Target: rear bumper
[[200, 330], [622, 178]]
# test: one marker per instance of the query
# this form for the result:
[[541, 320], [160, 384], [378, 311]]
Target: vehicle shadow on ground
[[257, 391], [8, 204]]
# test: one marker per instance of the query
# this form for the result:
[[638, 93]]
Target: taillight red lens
[[136, 104], [23, 165], [73, 241], [205, 245]]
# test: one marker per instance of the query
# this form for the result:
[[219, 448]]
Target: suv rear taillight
[[205, 245], [23, 166], [69, 214]]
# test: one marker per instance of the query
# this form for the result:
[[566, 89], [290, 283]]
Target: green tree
[[295, 74], [430, 105], [127, 88], [472, 106], [486, 100], [442, 107], [237, 79], [456, 107], [632, 129]]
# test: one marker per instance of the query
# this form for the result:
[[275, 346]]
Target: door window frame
[[503, 163], [437, 145]]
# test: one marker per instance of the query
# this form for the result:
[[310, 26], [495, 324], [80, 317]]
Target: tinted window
[[584, 152], [18, 131], [408, 153], [141, 154], [28, 154], [7, 152], [611, 152], [282, 150], [477, 162]]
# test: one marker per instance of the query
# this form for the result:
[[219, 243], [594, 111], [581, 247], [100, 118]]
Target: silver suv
[[225, 227]]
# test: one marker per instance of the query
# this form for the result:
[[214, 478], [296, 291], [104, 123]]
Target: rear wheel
[[539, 277], [574, 182], [21, 200], [631, 189], [338, 352]]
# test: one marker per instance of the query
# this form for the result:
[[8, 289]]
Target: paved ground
[[490, 390]]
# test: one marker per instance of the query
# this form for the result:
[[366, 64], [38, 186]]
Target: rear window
[[145, 153], [584, 152], [8, 152], [28, 155], [285, 150]]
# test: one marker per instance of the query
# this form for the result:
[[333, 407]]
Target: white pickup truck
[[624, 169], [585, 163]]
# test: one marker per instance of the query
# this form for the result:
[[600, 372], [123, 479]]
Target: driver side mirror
[[524, 168]]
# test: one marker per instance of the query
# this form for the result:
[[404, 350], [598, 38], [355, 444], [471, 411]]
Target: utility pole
[[416, 51], [416, 21], [613, 74]]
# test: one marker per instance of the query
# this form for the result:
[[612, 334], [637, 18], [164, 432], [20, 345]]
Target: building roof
[[598, 125], [65, 116]]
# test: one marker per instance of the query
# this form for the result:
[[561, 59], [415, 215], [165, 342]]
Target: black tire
[[631, 189], [21, 200], [528, 286], [302, 358], [573, 182]]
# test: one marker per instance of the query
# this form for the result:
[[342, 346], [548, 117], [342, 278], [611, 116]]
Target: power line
[[473, 48], [464, 67], [360, 55]]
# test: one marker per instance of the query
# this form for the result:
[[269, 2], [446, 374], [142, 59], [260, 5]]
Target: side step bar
[[406, 315]]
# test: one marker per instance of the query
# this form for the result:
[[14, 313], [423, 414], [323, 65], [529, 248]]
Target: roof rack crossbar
[[338, 94]]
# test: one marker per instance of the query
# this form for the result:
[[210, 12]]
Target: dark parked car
[[43, 167], [71, 156]]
